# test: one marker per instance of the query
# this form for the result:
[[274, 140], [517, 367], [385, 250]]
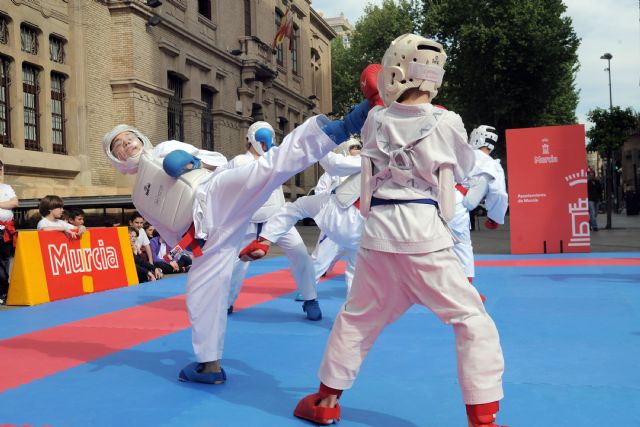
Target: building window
[[207, 120], [247, 17], [293, 47], [279, 47], [30, 90], [56, 49], [57, 113], [204, 8], [29, 39], [176, 114], [282, 129], [316, 76], [5, 106], [4, 29]]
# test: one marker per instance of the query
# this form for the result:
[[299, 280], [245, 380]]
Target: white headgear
[[345, 147], [411, 61], [129, 166], [483, 136], [254, 130]]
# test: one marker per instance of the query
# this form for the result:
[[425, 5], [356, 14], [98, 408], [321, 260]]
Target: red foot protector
[[308, 409], [483, 415], [491, 224], [254, 246]]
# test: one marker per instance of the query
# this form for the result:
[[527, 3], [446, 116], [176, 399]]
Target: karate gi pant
[[385, 286], [232, 197], [293, 246], [325, 255]]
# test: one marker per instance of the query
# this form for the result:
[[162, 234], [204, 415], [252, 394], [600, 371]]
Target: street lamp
[[609, 177], [608, 57]]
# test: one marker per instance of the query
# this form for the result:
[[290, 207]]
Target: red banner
[[49, 266], [68, 265], [549, 210]]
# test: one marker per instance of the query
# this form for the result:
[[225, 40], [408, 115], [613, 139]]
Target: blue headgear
[[265, 136], [261, 132]]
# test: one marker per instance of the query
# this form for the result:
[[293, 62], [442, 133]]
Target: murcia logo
[[545, 146], [147, 188], [545, 158]]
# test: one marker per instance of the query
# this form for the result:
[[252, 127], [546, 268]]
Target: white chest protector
[[348, 191], [271, 206], [164, 201]]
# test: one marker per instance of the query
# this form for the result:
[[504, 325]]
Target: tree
[[373, 34], [610, 131], [511, 63]]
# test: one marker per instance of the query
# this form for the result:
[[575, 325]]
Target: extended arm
[[337, 165], [476, 193]]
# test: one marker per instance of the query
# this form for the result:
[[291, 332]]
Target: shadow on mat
[[257, 389]]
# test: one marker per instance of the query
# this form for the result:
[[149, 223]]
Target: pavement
[[624, 236]]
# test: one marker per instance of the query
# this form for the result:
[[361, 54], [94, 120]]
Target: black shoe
[[230, 310], [595, 228]]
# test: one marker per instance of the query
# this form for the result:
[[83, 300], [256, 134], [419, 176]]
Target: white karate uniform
[[327, 252], [225, 202], [291, 243], [460, 226], [343, 225], [405, 258], [492, 190]]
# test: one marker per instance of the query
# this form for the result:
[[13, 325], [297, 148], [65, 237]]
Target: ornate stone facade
[[121, 62]]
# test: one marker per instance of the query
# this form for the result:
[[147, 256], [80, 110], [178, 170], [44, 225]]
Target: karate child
[[485, 182], [327, 252], [260, 139], [335, 213], [415, 151], [225, 200]]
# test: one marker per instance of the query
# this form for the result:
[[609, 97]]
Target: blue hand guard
[[176, 162], [340, 130]]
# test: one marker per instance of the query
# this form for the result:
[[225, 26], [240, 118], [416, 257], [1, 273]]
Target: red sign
[[549, 210], [76, 267]]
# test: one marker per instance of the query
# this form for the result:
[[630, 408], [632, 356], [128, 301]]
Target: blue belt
[[378, 202]]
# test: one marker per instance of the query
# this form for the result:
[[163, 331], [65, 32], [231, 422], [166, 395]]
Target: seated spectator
[[8, 233], [179, 264], [150, 230], [75, 217], [137, 221], [146, 271], [51, 209]]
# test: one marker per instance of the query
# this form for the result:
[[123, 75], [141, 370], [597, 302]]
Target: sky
[[604, 26]]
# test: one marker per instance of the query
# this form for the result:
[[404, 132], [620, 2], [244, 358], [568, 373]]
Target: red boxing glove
[[462, 189], [369, 84], [491, 224], [246, 254]]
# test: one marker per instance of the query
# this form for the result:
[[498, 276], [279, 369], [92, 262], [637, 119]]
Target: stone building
[[200, 71], [342, 27]]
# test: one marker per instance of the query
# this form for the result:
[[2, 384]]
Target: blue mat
[[570, 335]]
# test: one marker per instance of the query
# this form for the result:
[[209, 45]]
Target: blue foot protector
[[191, 373], [312, 308]]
